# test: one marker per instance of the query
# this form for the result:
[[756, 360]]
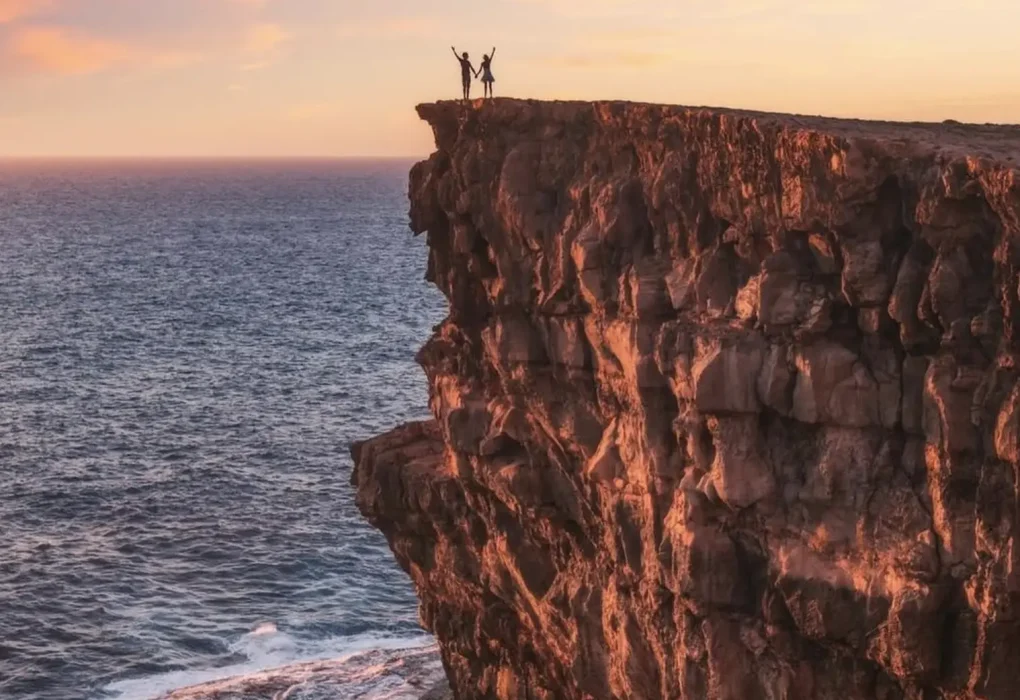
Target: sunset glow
[[340, 78]]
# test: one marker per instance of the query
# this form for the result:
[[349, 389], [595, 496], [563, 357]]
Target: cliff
[[725, 406]]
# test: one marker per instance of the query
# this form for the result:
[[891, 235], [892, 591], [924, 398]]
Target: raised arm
[[455, 54], [493, 54]]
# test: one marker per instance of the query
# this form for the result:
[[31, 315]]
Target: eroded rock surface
[[725, 407]]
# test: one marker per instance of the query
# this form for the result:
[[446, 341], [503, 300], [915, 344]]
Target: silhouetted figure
[[486, 70], [466, 71]]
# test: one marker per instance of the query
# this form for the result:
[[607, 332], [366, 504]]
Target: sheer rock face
[[725, 406]]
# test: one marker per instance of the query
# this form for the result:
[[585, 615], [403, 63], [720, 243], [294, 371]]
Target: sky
[[326, 78]]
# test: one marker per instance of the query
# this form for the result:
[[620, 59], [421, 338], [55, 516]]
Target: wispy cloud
[[56, 50], [63, 51], [11, 10]]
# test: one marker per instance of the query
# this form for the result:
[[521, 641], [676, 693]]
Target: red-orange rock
[[726, 407]]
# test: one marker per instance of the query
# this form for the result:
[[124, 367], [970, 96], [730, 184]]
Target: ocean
[[187, 351]]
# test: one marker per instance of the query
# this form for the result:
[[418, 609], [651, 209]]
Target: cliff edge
[[725, 406]]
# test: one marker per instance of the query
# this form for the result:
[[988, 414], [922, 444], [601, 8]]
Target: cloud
[[62, 51], [265, 38], [11, 10]]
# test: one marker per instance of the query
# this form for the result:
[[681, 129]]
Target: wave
[[281, 667]]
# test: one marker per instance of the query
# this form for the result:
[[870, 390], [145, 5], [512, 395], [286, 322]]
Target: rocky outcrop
[[725, 406]]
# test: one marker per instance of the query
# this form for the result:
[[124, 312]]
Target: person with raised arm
[[466, 71], [486, 70]]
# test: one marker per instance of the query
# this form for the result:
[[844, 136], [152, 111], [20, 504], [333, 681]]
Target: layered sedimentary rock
[[725, 406]]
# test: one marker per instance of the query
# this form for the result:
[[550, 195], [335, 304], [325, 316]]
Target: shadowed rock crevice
[[725, 407]]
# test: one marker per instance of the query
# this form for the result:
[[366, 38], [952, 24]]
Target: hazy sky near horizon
[[341, 77]]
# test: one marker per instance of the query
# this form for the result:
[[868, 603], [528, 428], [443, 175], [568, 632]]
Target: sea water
[[187, 351]]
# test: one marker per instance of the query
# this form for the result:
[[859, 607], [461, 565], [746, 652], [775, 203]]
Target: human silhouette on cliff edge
[[486, 70], [466, 71]]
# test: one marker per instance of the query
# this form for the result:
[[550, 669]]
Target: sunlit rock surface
[[725, 406]]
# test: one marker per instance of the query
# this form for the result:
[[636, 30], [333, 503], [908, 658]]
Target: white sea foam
[[280, 667]]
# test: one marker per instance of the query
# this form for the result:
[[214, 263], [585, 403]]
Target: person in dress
[[466, 71], [486, 72]]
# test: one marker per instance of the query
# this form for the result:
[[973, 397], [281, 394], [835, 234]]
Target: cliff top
[[955, 139]]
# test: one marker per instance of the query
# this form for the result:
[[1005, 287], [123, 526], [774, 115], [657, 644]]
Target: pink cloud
[[62, 51], [11, 10]]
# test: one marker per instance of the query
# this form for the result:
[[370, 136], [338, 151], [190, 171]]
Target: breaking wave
[[279, 667]]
